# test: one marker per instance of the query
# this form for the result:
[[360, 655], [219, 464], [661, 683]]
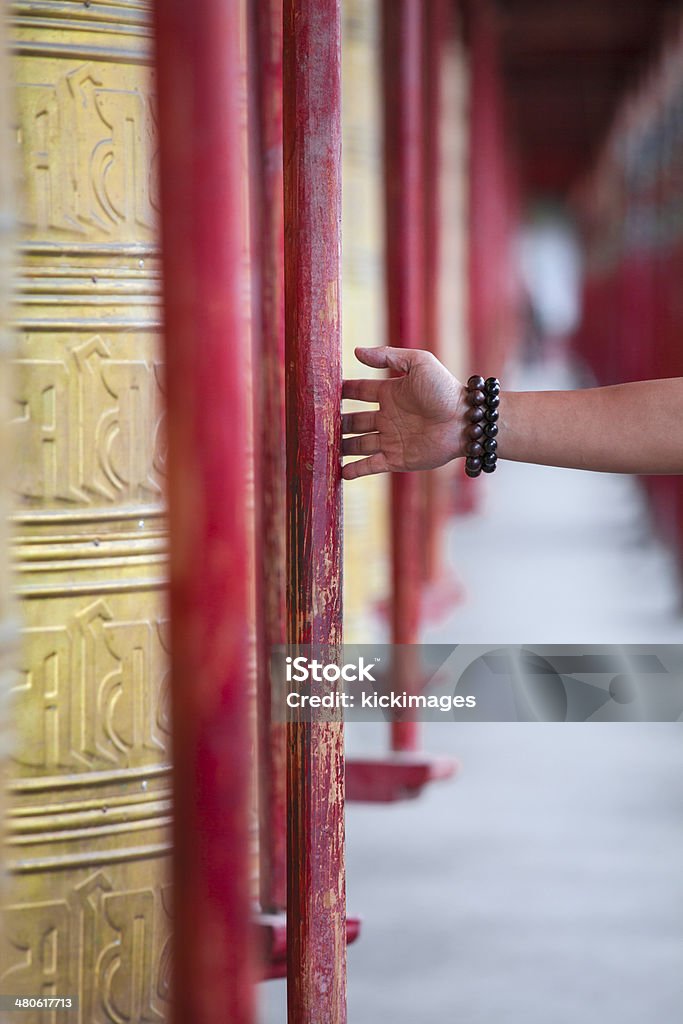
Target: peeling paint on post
[[205, 341], [270, 446], [402, 80], [316, 896]]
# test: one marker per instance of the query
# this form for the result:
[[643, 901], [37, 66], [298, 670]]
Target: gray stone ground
[[545, 884]]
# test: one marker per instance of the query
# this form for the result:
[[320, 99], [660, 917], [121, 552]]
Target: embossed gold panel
[[8, 629], [88, 838]]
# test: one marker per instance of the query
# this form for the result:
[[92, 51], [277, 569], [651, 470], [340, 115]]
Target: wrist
[[458, 425], [509, 416]]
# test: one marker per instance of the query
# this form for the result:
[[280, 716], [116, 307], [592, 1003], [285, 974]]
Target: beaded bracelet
[[484, 398]]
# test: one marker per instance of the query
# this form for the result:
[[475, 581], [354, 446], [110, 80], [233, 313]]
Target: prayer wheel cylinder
[[88, 840], [8, 625]]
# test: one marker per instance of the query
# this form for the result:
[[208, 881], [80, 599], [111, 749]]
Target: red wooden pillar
[[203, 232], [268, 213], [316, 915], [487, 226], [404, 189], [443, 590], [435, 27]]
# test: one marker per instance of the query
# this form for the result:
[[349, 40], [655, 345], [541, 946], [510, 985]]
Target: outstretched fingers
[[366, 467], [362, 390], [387, 358], [366, 444], [359, 422]]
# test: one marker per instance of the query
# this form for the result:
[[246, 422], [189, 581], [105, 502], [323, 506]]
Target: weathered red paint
[[269, 421], [316, 891], [206, 356], [404, 190], [272, 940]]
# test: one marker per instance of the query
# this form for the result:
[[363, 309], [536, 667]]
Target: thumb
[[385, 357]]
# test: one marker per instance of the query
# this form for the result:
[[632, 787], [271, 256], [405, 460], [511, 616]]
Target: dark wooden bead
[[491, 415], [475, 450], [476, 397], [471, 473], [492, 386], [476, 414], [489, 469], [475, 382], [473, 464], [490, 444], [491, 429], [492, 401], [475, 432], [490, 459]]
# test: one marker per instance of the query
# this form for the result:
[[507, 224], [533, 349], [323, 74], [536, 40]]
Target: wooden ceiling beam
[[565, 66]]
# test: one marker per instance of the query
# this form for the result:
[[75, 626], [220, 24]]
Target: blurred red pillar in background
[[402, 27], [316, 892], [442, 590], [492, 302], [269, 370], [206, 353]]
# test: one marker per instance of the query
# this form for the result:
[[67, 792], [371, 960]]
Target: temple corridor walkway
[[545, 883]]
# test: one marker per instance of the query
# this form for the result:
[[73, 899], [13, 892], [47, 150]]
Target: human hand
[[421, 419]]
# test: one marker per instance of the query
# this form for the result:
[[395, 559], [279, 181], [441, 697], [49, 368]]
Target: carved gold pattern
[[88, 835]]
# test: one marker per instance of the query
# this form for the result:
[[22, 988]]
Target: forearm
[[628, 428]]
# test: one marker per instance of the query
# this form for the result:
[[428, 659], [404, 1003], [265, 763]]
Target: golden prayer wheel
[[88, 839], [8, 628]]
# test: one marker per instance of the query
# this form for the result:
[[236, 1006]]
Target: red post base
[[394, 777], [440, 596]]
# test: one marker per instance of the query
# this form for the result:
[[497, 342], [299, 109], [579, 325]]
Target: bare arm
[[421, 422], [627, 428]]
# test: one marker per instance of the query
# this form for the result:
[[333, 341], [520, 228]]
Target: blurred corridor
[[542, 885], [576, 557]]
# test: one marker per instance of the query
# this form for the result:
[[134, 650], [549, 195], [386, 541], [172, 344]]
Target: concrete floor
[[545, 884]]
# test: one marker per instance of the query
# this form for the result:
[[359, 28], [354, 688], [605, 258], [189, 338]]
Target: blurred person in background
[[550, 269]]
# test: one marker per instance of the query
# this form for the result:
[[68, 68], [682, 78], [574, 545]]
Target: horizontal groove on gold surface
[[85, 806], [132, 12], [136, 36], [72, 833], [86, 780], [85, 835], [111, 291], [102, 557], [109, 324], [110, 54], [89, 859], [70, 517], [138, 250], [92, 20], [38, 543], [124, 559], [34, 274], [90, 587], [63, 818], [122, 296]]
